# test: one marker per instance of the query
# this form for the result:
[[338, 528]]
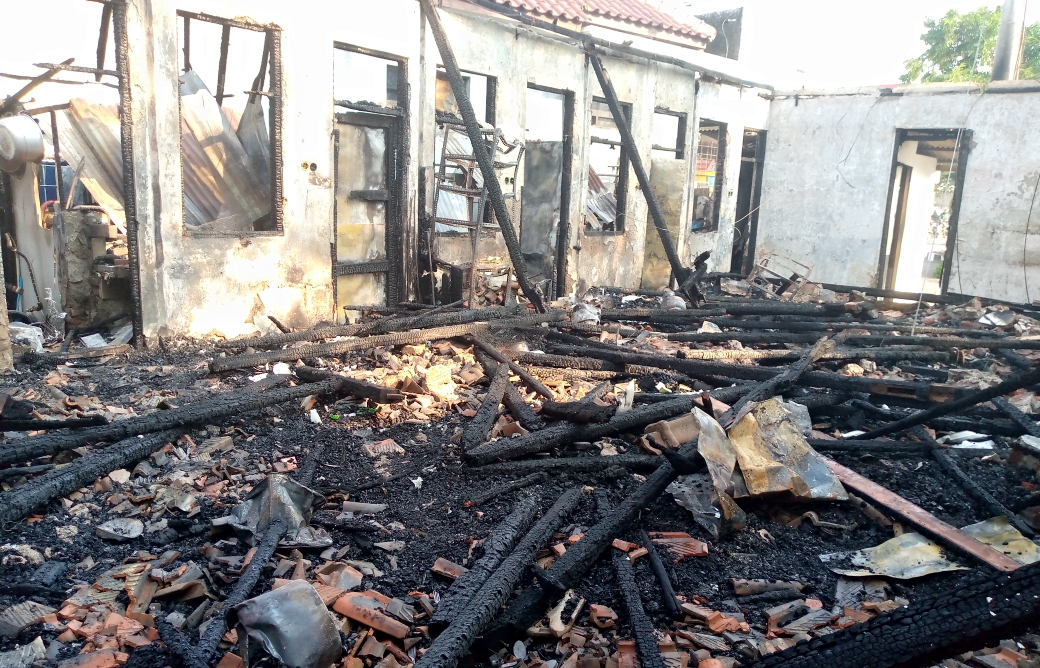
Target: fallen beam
[[20, 501], [37, 425], [480, 151], [922, 520], [495, 492], [19, 471], [497, 547], [382, 340], [186, 416], [671, 603], [642, 628], [635, 159], [998, 390], [838, 325], [518, 407], [568, 465], [476, 431], [975, 613], [578, 411], [358, 388], [992, 507], [453, 644], [1016, 415], [529, 380]]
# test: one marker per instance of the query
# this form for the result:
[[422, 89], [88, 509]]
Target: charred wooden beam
[[358, 388], [566, 362], [19, 471], [998, 428], [838, 325], [497, 547], [480, 150], [577, 411], [177, 644], [382, 340], [20, 501], [1016, 415], [454, 643], [569, 569], [35, 425], [559, 435], [971, 487], [998, 390], [520, 409], [782, 382], [568, 465], [186, 416], [495, 492], [529, 380], [476, 431], [671, 603], [642, 628]]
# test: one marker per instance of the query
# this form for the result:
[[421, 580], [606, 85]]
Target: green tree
[[955, 42]]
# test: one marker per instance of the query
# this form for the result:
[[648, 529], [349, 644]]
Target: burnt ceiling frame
[[398, 163], [274, 94]]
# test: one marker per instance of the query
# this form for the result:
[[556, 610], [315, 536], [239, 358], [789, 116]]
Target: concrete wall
[[197, 286], [827, 172], [738, 108]]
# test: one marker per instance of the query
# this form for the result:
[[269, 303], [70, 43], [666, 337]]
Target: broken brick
[[361, 607], [447, 568]]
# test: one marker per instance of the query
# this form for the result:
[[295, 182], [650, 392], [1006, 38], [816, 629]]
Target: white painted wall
[[826, 179], [34, 241]]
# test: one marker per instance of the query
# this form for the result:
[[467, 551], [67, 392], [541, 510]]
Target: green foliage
[[954, 41]]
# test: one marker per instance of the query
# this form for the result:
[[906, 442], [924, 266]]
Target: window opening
[[360, 78], [668, 134], [607, 198], [711, 165], [230, 110]]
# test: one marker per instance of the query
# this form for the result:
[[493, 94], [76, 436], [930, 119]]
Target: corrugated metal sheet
[[92, 132], [630, 11], [223, 189]]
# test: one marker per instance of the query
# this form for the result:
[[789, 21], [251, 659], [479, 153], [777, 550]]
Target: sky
[[792, 43]]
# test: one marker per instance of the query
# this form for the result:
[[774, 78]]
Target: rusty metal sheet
[[921, 518]]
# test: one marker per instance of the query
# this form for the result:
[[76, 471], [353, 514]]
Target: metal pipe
[[1007, 59]]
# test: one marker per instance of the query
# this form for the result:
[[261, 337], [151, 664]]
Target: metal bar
[[56, 146], [487, 168], [126, 124], [922, 519], [225, 41], [629, 142], [102, 45]]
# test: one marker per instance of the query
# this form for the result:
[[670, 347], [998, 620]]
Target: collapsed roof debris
[[420, 495]]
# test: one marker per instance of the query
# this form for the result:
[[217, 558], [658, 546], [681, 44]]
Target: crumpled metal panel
[[775, 457], [719, 452], [600, 201], [91, 133], [903, 558], [279, 497], [292, 624], [999, 534], [222, 189]]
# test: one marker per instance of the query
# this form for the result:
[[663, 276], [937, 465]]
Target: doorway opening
[[367, 255], [545, 198], [920, 233], [749, 196], [711, 170]]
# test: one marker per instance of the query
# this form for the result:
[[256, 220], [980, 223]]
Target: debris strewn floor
[[387, 477]]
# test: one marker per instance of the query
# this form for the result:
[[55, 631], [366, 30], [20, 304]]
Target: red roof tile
[[630, 11]]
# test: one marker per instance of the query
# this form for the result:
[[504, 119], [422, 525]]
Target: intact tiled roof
[[630, 11]]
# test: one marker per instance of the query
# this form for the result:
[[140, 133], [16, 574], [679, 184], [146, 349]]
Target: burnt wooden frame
[[680, 139], [624, 167], [720, 169], [396, 121], [274, 121]]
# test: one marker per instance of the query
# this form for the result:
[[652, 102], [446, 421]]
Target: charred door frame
[[396, 174], [754, 203], [885, 278], [563, 233]]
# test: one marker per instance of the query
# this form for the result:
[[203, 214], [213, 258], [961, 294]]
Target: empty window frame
[[711, 170], [231, 118], [607, 196], [482, 91], [668, 134], [362, 79]]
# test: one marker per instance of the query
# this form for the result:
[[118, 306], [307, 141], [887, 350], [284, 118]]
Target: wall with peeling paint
[[198, 286], [828, 167], [203, 285]]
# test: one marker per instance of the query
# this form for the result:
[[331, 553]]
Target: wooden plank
[[922, 519]]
